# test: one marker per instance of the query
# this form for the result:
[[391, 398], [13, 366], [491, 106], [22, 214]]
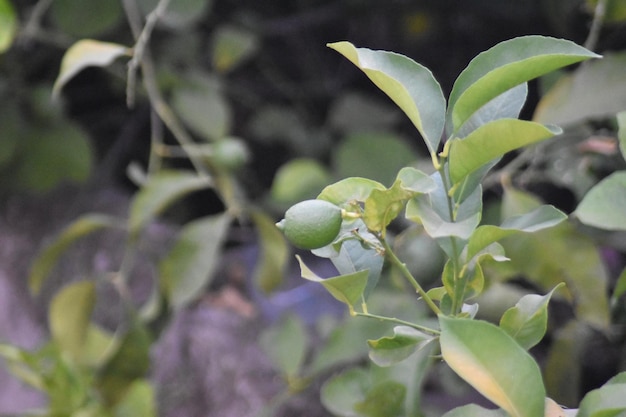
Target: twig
[[140, 49], [596, 25]]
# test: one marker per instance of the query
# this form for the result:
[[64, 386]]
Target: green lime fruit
[[311, 224]]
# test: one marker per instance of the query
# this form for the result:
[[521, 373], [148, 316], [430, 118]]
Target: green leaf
[[349, 189], [596, 90], [385, 399], [390, 350], [85, 18], [8, 25], [81, 227], [200, 103], [486, 356], [286, 345], [528, 320], [354, 155], [504, 66], [383, 206], [414, 180], [188, 267], [162, 189], [539, 258], [606, 401], [299, 179], [138, 401], [129, 363], [507, 105], [346, 288], [621, 132], [491, 141], [86, 53], [603, 206], [411, 86], [52, 154], [341, 392], [354, 394], [231, 46], [543, 217], [420, 210], [473, 410], [270, 269], [354, 257], [69, 316]]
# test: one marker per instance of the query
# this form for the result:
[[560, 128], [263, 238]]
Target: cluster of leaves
[[86, 369], [480, 124]]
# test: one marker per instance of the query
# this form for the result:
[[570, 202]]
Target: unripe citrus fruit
[[311, 224]]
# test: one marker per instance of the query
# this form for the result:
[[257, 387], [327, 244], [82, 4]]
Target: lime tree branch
[[407, 274]]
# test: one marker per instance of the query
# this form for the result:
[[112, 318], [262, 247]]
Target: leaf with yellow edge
[[347, 288], [493, 363], [86, 53], [410, 85]]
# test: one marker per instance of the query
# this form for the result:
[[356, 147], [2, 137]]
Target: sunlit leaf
[[81, 227], [162, 189], [270, 268], [346, 288], [86, 53], [69, 316], [411, 86], [527, 322], [390, 350], [596, 90], [8, 25], [542, 217], [286, 345], [486, 356], [603, 206], [504, 66], [349, 189], [188, 268], [491, 141], [232, 46]]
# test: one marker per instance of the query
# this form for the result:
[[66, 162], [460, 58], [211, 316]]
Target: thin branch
[[596, 25]]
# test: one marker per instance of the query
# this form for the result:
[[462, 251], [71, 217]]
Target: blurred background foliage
[[278, 116]]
